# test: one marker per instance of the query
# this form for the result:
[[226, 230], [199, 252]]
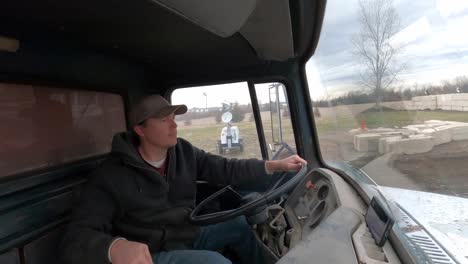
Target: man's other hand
[[291, 163], [129, 252]]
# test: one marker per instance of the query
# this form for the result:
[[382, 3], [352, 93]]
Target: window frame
[[251, 82]]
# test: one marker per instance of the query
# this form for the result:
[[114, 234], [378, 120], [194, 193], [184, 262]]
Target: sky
[[224, 93], [432, 35]]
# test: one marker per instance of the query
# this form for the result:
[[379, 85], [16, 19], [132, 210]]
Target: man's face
[[159, 132]]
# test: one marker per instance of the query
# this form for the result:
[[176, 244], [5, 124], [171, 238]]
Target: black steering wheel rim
[[269, 196]]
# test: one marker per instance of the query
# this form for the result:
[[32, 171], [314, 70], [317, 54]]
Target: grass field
[[206, 136], [388, 119]]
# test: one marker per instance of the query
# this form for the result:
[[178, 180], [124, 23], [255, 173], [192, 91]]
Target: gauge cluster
[[312, 200], [321, 213]]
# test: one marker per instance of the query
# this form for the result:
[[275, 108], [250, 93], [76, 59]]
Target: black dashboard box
[[379, 222]]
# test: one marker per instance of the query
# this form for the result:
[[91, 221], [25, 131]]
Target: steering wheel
[[250, 203]]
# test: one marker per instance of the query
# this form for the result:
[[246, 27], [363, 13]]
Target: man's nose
[[173, 123]]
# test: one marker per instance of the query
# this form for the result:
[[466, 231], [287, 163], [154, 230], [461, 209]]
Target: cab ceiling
[[151, 34]]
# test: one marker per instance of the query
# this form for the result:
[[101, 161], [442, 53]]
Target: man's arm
[[87, 237], [220, 170], [291, 163]]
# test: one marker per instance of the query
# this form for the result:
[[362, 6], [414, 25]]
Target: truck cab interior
[[57, 56]]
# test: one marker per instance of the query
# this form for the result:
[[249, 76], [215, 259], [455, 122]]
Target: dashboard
[[321, 221]]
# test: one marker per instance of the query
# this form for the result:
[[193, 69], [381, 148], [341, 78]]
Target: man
[[135, 207]]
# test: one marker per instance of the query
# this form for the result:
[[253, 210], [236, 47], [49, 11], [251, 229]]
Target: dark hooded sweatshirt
[[126, 197]]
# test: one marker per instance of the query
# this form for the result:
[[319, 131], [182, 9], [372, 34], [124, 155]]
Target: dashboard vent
[[424, 241]]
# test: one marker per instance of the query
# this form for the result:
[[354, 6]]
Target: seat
[[45, 249], [10, 257]]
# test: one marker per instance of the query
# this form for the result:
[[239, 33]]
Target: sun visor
[[269, 30], [222, 17]]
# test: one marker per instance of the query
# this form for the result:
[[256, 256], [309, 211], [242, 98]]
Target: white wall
[[449, 102]]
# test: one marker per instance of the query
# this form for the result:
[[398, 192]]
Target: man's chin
[[173, 143]]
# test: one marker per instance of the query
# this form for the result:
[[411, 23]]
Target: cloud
[[432, 35], [451, 7], [414, 31]]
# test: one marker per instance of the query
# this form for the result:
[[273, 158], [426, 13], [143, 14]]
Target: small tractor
[[230, 138]]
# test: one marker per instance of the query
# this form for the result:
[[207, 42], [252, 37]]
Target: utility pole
[[206, 101]]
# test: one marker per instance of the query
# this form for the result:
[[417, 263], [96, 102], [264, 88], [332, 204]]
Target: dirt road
[[443, 170]]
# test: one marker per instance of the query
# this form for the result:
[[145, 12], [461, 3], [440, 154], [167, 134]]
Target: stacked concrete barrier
[[447, 102], [411, 139]]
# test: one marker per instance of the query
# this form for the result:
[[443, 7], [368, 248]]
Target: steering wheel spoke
[[238, 195]]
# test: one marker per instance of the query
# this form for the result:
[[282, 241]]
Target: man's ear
[[139, 130]]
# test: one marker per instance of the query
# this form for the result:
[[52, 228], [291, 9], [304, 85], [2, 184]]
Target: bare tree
[[372, 45]]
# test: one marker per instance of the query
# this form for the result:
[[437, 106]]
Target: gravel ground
[[443, 170]]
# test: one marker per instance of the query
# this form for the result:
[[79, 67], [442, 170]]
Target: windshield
[[389, 85]]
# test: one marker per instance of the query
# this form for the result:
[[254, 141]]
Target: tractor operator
[[135, 207]]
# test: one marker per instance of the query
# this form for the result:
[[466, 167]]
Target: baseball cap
[[154, 106]]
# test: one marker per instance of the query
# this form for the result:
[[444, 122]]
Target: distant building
[[204, 110]]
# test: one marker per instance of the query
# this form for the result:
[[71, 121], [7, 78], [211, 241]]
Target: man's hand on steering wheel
[[291, 163], [254, 203]]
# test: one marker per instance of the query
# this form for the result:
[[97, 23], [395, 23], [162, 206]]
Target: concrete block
[[366, 142], [427, 131], [359, 131], [460, 132], [460, 97], [442, 134], [371, 141], [459, 103], [443, 106], [355, 132], [433, 122], [419, 127], [385, 144], [456, 123], [413, 145], [429, 103], [402, 131], [383, 130], [434, 125], [447, 108], [444, 98], [425, 105], [411, 139], [418, 136], [397, 132], [412, 130], [425, 98], [457, 108]]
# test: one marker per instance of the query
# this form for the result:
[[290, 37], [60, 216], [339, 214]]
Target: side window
[[394, 103], [44, 126], [276, 119], [219, 120]]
